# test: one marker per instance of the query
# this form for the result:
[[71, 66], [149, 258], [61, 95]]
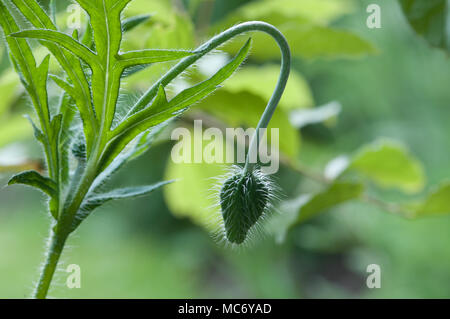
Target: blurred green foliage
[[393, 86]]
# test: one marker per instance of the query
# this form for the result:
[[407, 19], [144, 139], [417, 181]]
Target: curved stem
[[212, 44]]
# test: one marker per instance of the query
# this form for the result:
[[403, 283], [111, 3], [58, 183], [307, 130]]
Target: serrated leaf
[[134, 58], [133, 22], [130, 128], [93, 201], [70, 63], [143, 143], [34, 179], [389, 164], [430, 19], [22, 56], [61, 39], [199, 91]]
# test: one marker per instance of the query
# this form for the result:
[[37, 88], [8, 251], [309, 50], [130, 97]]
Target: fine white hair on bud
[[245, 197]]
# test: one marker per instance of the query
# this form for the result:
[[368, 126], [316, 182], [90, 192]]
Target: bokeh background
[[389, 82]]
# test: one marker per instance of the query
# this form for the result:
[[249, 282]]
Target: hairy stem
[[57, 242]]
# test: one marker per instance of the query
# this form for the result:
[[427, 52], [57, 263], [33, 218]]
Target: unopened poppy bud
[[244, 198]]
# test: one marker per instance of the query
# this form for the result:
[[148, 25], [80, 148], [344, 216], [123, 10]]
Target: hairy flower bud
[[244, 198]]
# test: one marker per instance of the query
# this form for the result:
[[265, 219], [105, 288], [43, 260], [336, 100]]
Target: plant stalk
[[57, 242]]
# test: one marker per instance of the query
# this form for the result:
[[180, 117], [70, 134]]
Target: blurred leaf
[[297, 93], [193, 195], [9, 88], [430, 19], [304, 23], [280, 11], [437, 202], [245, 109], [14, 128], [168, 27], [334, 195], [320, 114], [310, 42], [389, 164], [307, 206]]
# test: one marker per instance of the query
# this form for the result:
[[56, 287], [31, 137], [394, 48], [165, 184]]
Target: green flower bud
[[244, 198]]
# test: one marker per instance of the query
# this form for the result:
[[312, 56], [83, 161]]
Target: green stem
[[54, 253]]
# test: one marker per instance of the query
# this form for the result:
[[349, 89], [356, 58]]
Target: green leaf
[[133, 22], [105, 20], [143, 144], [34, 179], [201, 90], [61, 39], [21, 52], [430, 19], [96, 200], [34, 13], [70, 63], [134, 58], [308, 206], [93, 201], [389, 164], [437, 202], [337, 193], [131, 128]]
